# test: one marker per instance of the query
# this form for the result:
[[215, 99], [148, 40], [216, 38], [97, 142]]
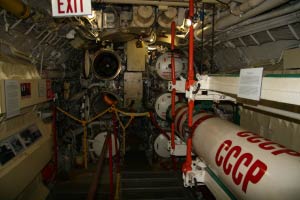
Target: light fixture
[[92, 16], [187, 23], [152, 48]]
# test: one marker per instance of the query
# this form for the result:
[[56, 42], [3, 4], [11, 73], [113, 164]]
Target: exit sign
[[69, 8]]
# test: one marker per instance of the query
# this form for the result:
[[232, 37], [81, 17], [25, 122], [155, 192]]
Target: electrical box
[[18, 94], [136, 56]]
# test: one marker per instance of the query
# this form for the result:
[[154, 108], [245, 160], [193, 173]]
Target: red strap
[[199, 121], [180, 118]]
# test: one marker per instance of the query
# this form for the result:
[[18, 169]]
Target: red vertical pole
[[173, 31], [55, 147], [116, 143], [187, 166], [190, 81], [173, 135], [111, 178], [191, 9]]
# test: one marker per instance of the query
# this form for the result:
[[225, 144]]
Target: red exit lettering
[[266, 144], [256, 169], [71, 6]]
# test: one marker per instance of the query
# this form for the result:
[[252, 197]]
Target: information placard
[[250, 83], [12, 98]]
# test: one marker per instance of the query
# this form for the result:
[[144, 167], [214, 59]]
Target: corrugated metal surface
[[281, 131]]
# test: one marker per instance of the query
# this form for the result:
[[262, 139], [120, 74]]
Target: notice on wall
[[250, 83], [12, 98], [25, 90], [42, 88], [70, 8]]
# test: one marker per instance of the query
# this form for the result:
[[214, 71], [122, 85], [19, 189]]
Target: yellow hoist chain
[[84, 124]]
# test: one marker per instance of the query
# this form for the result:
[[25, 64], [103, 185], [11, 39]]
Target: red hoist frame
[[173, 27], [173, 99], [190, 81]]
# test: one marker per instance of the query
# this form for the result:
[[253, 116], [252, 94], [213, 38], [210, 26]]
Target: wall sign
[[250, 83], [25, 90], [69, 8], [12, 98], [50, 93]]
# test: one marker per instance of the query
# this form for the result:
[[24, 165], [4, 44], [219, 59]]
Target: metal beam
[[255, 40], [271, 36], [293, 32], [242, 41]]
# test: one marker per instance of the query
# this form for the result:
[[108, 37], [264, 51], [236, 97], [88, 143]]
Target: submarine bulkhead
[[149, 99]]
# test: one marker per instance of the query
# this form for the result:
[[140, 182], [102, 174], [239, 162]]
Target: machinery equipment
[[149, 85]]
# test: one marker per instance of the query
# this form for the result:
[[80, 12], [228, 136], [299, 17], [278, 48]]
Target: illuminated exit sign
[[69, 8]]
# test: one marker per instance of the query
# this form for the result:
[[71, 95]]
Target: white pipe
[[270, 15], [246, 6], [152, 3], [231, 19], [236, 10]]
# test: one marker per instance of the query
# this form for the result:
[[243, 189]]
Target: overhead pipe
[[235, 10], [273, 14], [230, 20], [153, 3], [16, 7], [246, 6]]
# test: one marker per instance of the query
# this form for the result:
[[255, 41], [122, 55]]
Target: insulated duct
[[153, 3], [246, 6], [16, 7]]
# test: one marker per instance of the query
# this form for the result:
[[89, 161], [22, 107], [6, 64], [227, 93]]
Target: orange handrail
[[94, 185]]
